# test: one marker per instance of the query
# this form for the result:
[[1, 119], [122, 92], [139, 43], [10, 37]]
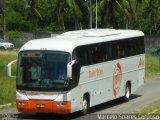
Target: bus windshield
[[42, 70]]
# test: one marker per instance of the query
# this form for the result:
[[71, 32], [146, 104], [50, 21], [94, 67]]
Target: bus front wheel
[[85, 105], [127, 92]]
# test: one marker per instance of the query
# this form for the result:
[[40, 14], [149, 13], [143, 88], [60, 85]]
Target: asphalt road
[[148, 94]]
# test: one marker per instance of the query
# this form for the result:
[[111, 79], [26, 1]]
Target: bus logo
[[95, 73], [141, 63], [117, 78]]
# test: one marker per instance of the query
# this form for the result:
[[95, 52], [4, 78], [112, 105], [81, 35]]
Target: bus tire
[[85, 105], [127, 92]]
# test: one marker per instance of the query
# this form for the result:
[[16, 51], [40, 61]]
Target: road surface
[[148, 94]]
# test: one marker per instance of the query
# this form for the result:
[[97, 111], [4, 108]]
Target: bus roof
[[70, 40]]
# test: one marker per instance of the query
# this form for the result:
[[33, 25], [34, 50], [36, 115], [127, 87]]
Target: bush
[[54, 27], [15, 21]]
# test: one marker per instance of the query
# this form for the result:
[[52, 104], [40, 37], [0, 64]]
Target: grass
[[152, 68], [150, 109], [7, 85]]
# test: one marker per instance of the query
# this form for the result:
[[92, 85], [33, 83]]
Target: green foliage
[[57, 15], [14, 34], [7, 85], [115, 11], [153, 109], [54, 27], [16, 38], [15, 21], [151, 13], [152, 66]]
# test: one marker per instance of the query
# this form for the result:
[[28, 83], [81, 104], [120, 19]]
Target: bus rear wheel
[[127, 92], [85, 105]]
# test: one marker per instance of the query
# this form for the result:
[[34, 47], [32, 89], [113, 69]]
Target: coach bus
[[79, 69]]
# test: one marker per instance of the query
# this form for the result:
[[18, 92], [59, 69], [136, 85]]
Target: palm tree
[[32, 10], [69, 10], [132, 13], [151, 11], [137, 5], [2, 11], [44, 12], [112, 11]]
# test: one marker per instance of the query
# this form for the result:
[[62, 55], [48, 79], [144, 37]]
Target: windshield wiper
[[66, 83]]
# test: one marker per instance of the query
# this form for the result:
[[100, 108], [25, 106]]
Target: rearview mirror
[[69, 68], [9, 68]]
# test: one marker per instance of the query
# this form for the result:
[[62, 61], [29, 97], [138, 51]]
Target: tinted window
[[102, 52]]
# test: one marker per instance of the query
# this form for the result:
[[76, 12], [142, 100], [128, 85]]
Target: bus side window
[[118, 50], [114, 50], [75, 55], [98, 52], [104, 55], [90, 55], [92, 59], [81, 55], [108, 51], [122, 49], [125, 48], [85, 55], [140, 45], [130, 48], [75, 68]]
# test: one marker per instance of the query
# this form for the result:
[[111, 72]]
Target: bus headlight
[[61, 103], [22, 102]]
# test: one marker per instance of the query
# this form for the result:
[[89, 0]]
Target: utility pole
[[4, 19], [4, 23], [90, 14], [96, 14]]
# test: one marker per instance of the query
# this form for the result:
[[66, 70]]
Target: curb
[[5, 105], [153, 111]]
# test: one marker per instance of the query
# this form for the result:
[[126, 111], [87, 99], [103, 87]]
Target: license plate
[[40, 105]]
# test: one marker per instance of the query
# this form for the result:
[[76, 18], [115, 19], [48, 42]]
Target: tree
[[33, 11], [151, 11], [46, 12], [68, 11], [62, 15], [3, 12], [132, 13], [137, 4], [114, 11]]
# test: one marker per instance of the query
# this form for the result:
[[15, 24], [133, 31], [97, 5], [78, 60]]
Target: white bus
[[79, 69]]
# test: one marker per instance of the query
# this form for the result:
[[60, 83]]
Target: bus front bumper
[[40, 106]]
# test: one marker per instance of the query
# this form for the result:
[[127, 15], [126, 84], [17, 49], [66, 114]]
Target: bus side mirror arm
[[9, 68], [69, 68]]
